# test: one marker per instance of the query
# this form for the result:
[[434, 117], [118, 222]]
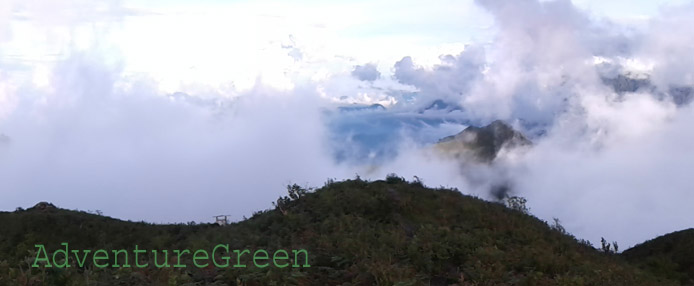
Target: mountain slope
[[483, 143], [670, 256], [359, 233]]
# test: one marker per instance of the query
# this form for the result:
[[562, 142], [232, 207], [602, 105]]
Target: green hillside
[[387, 232], [670, 256]]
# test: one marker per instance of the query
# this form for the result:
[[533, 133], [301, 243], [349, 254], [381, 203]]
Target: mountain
[[387, 232], [670, 256], [361, 107], [441, 105], [681, 95], [626, 83], [483, 143], [623, 83]]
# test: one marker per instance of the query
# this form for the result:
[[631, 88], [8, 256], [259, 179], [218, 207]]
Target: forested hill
[[670, 256], [388, 232]]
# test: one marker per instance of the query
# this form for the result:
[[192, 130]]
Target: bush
[[607, 247], [393, 178], [556, 225], [295, 191], [517, 203]]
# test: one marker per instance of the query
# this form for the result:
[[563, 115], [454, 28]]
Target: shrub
[[517, 203], [393, 178], [607, 247], [556, 225]]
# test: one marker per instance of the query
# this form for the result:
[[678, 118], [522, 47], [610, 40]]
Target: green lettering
[[224, 258], [64, 253], [103, 256], [296, 258], [178, 254], [238, 257], [276, 257], [256, 257], [204, 256], [137, 251], [41, 249], [115, 258], [80, 263], [166, 259]]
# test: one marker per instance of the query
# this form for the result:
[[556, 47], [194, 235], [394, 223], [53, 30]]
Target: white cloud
[[138, 154]]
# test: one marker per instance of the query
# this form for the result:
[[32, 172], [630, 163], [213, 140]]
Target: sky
[[218, 43], [176, 111]]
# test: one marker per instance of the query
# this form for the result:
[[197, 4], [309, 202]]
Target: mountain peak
[[483, 143], [43, 206]]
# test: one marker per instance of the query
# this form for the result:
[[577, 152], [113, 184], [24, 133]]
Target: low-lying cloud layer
[[137, 154], [83, 133]]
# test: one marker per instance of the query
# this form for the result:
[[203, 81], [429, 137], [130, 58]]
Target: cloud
[[367, 72], [624, 178], [91, 142], [667, 47], [600, 157], [608, 162], [448, 80]]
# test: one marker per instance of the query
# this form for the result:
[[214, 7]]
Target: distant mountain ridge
[[441, 105], [626, 83], [362, 107], [483, 143]]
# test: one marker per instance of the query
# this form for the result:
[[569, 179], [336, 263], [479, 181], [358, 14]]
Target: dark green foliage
[[607, 247], [294, 192], [360, 233], [517, 204], [394, 179], [669, 256]]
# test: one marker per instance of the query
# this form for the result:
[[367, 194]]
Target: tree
[[607, 247], [556, 225], [294, 192], [393, 178], [517, 203], [282, 204]]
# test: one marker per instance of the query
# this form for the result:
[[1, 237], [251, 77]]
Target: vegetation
[[670, 256], [390, 232]]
